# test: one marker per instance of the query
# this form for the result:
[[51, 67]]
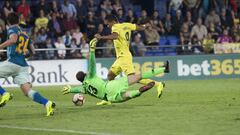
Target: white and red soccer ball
[[78, 99]]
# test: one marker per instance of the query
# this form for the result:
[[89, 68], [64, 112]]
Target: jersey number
[[22, 45], [92, 90], [127, 36]]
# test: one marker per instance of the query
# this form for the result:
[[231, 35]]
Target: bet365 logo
[[209, 68]]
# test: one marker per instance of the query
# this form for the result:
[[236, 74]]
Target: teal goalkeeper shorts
[[115, 88], [19, 74]]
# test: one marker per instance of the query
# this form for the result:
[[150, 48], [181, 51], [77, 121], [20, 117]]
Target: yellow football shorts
[[123, 64]]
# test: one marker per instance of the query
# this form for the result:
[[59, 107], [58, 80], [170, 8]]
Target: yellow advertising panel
[[227, 48]]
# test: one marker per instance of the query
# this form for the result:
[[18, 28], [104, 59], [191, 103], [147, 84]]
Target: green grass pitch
[[200, 107]]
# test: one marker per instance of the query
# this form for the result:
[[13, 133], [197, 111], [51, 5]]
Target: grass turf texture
[[206, 107]]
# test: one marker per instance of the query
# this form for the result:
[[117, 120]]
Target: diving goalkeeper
[[115, 90]]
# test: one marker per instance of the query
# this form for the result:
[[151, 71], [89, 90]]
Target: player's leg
[[2, 91], [125, 95], [127, 66], [158, 85], [23, 80], [128, 69], [34, 95], [135, 93], [116, 90], [37, 97], [5, 97], [111, 75], [6, 69], [113, 72], [134, 78], [156, 71]]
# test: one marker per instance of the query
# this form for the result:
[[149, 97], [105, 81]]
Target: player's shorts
[[19, 74], [115, 88], [123, 64]]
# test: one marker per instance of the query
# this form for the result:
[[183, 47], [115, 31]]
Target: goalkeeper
[[115, 90]]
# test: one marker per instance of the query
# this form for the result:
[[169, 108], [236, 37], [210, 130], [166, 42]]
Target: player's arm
[[31, 49], [142, 27], [92, 65], [112, 36], [68, 89], [91, 60], [12, 40]]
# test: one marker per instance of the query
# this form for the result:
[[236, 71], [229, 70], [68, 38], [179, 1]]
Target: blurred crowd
[[61, 24]]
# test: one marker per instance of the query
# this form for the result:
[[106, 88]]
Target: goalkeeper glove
[[93, 43], [66, 89]]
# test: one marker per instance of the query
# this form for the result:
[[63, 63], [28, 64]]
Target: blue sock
[[35, 96], [2, 91]]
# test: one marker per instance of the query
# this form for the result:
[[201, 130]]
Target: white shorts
[[19, 74]]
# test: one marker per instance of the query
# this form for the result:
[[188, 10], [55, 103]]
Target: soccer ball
[[78, 99]]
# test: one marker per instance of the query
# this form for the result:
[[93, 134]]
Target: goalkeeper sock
[[134, 93], [35, 96], [2, 91], [152, 73]]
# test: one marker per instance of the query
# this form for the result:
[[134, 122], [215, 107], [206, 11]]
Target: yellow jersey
[[41, 22], [121, 44]]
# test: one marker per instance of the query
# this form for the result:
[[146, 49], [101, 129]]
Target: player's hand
[[66, 89], [28, 54], [98, 36], [93, 43], [147, 25]]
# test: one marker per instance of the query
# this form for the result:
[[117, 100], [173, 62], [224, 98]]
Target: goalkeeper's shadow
[[117, 106], [95, 108]]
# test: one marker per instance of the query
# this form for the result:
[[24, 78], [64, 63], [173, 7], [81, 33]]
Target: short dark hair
[[80, 76], [111, 18], [13, 18]]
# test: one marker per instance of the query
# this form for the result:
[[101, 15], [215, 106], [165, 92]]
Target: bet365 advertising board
[[62, 72], [185, 67]]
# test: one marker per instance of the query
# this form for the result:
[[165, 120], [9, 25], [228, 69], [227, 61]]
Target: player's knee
[[26, 88], [111, 76], [25, 92]]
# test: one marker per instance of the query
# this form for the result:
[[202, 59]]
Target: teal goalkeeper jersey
[[92, 84]]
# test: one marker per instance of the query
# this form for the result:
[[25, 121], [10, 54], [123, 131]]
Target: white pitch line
[[53, 130]]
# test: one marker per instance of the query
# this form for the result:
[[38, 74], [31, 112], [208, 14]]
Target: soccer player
[[18, 47], [121, 33], [115, 90]]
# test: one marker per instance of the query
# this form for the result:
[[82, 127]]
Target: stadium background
[[61, 30], [53, 24]]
